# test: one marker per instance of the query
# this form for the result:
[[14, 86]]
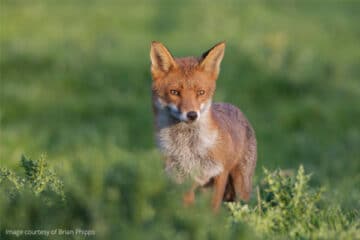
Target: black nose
[[191, 115]]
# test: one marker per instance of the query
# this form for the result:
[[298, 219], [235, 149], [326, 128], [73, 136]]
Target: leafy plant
[[39, 179], [287, 206], [132, 205]]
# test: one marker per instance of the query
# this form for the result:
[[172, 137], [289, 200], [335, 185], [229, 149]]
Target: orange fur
[[211, 142]]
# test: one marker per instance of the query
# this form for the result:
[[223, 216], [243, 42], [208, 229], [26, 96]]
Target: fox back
[[213, 143]]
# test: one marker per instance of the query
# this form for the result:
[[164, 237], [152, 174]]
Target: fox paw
[[189, 198]]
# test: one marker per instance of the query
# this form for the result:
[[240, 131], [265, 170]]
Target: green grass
[[75, 84]]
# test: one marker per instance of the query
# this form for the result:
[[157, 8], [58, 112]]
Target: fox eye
[[174, 92], [200, 92]]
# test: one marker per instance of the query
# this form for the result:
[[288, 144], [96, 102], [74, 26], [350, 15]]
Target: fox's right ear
[[161, 59]]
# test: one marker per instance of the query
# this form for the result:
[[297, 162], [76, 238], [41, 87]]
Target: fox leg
[[242, 183], [230, 194], [242, 173], [219, 185], [189, 197]]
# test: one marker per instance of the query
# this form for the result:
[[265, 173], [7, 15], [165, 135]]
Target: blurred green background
[[75, 84]]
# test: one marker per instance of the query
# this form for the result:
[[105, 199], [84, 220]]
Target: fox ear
[[211, 59], [161, 59]]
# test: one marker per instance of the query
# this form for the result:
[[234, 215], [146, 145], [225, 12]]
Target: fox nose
[[192, 115]]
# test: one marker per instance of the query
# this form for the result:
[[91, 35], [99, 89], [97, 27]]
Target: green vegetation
[[287, 207], [75, 83]]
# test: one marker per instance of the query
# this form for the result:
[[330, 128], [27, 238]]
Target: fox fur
[[212, 143]]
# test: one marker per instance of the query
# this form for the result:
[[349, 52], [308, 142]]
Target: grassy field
[[75, 84]]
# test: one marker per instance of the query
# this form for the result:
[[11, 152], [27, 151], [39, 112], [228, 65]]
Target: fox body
[[213, 143]]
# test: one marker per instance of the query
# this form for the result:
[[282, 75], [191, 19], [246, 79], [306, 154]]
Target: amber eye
[[174, 92], [200, 92]]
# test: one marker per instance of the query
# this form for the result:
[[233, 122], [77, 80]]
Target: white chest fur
[[188, 150]]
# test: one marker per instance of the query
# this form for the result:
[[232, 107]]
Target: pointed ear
[[211, 59], [161, 59]]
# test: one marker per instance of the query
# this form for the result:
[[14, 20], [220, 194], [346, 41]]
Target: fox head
[[184, 86]]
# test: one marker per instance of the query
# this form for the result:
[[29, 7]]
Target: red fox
[[213, 143]]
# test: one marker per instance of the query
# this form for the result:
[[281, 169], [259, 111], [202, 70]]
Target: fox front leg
[[189, 197], [219, 189]]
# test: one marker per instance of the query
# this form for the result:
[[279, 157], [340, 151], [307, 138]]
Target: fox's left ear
[[211, 59]]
